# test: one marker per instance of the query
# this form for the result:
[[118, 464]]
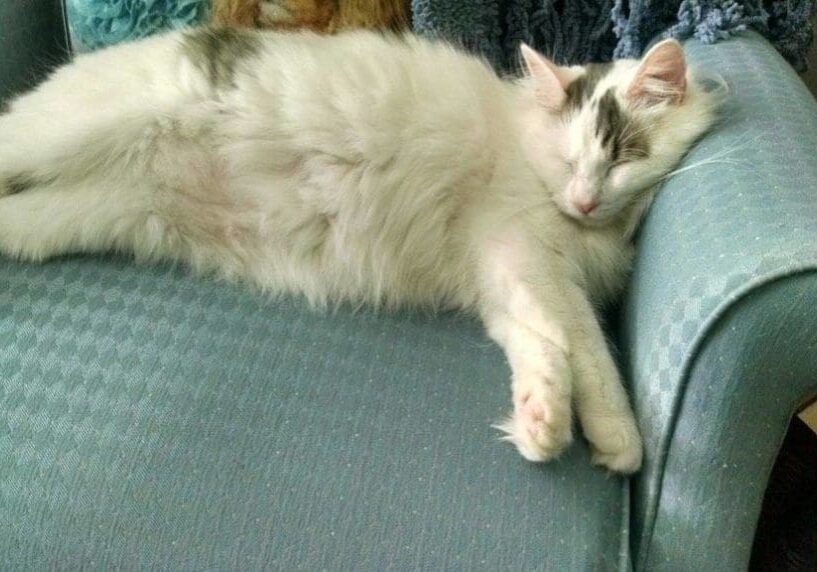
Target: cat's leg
[[43, 221], [541, 423], [90, 112], [602, 403], [557, 351], [175, 209], [37, 143], [526, 326]]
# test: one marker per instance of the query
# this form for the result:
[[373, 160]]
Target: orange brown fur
[[327, 16]]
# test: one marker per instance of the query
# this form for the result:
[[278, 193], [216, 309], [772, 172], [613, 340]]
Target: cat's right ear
[[550, 80]]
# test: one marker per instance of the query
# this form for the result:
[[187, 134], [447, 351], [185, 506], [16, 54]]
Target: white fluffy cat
[[369, 169]]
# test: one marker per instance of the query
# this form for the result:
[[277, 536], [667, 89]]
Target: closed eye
[[633, 154], [625, 160], [614, 164]]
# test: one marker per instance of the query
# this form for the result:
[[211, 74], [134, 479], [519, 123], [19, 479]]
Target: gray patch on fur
[[219, 51], [580, 89], [620, 135], [19, 183]]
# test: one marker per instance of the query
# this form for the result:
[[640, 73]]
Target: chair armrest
[[719, 328], [33, 40]]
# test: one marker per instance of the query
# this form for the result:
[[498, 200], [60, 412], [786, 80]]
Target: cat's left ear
[[661, 77], [551, 80]]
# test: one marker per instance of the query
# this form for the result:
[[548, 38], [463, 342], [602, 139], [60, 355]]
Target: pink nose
[[586, 207]]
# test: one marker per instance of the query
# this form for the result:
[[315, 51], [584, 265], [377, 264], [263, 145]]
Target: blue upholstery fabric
[[153, 420], [719, 329]]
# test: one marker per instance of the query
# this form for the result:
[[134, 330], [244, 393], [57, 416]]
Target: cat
[[328, 16], [367, 169]]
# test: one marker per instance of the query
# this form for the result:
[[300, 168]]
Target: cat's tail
[[90, 115], [151, 185]]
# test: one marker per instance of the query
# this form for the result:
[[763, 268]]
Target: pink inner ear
[[661, 76]]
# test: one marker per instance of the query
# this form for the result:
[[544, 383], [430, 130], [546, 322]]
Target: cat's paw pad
[[619, 448], [540, 429]]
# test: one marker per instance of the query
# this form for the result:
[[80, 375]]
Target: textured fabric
[[100, 23], [577, 31], [33, 39], [594, 30], [639, 22], [151, 420], [713, 400], [755, 368]]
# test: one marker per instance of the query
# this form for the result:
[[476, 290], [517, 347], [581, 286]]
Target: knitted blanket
[[570, 31], [99, 23], [576, 31]]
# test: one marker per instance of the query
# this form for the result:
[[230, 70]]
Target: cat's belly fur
[[261, 208], [339, 232], [358, 193]]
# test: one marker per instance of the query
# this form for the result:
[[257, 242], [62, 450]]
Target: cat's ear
[[661, 77], [550, 80]]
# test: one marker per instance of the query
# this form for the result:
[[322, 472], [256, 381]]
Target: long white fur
[[362, 169]]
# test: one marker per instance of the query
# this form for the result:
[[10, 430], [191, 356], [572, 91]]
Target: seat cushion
[[149, 419]]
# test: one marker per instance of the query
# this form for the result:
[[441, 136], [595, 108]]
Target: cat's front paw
[[616, 444], [540, 425]]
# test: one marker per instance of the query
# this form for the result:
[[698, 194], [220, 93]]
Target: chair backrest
[[33, 41]]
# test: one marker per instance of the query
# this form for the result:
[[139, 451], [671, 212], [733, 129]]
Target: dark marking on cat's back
[[580, 89], [219, 51], [19, 183]]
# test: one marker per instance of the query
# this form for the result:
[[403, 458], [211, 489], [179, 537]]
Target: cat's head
[[617, 129]]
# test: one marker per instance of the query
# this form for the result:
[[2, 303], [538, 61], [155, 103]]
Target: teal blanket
[[568, 30]]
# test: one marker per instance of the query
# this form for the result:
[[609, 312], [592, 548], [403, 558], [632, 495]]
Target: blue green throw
[[568, 30]]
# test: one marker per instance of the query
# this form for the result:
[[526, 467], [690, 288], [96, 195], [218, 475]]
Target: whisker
[[718, 158], [704, 163]]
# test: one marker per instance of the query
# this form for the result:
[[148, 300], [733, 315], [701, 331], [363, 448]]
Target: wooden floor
[[809, 415]]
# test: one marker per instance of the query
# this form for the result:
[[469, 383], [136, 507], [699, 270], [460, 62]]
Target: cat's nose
[[586, 207]]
